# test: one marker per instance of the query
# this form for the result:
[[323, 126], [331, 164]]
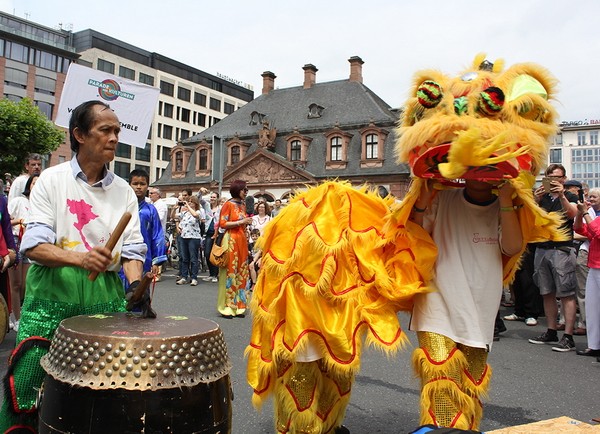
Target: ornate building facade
[[286, 139]]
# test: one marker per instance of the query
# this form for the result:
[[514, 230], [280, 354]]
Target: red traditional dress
[[231, 300]]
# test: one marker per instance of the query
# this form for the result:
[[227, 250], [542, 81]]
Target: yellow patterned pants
[[309, 398], [453, 378]]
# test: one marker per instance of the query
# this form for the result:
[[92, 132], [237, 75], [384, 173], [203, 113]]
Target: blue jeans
[[189, 256]]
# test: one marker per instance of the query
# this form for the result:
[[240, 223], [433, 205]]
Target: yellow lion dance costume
[[338, 263]]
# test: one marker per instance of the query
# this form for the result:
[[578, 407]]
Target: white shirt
[[17, 187], [468, 271], [163, 211]]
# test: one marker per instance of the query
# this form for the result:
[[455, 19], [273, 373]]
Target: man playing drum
[[75, 207]]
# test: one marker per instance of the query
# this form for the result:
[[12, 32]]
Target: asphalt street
[[529, 383]]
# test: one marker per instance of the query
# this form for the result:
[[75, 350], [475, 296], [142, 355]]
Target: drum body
[[121, 373]]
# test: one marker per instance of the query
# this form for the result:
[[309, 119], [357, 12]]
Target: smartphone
[[181, 203], [580, 193], [546, 184]]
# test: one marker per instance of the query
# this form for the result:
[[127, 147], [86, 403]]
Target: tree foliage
[[24, 129]]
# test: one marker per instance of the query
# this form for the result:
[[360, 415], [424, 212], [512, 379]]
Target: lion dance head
[[485, 124]]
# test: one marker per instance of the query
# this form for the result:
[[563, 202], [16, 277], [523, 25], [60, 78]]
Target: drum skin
[[120, 373], [204, 408]]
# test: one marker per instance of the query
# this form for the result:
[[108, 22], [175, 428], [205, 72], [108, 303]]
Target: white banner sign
[[134, 103]]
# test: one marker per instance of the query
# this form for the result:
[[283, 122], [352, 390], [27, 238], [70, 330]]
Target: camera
[[181, 203]]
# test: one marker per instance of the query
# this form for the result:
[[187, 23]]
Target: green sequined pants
[[52, 295]]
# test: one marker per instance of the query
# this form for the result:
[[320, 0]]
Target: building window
[[167, 132], [594, 137], [122, 169], [228, 108], [123, 150], [185, 115], [45, 108], [17, 52], [558, 139], [296, 150], [555, 156], [166, 153], [45, 60], [45, 85], [146, 79], [143, 154], [581, 138], [168, 110], [203, 159], [216, 86], [166, 88], [13, 98], [372, 148], [235, 154], [215, 104], [15, 78], [214, 120], [315, 111], [179, 161], [106, 66], [201, 119], [335, 150], [184, 94], [184, 134], [127, 73], [256, 118], [200, 99]]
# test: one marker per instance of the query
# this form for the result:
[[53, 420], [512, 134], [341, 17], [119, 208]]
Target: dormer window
[[338, 143], [315, 111], [297, 147], [235, 154], [295, 151], [203, 159], [335, 149], [256, 118], [372, 151], [179, 162]]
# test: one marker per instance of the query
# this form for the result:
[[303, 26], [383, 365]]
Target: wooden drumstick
[[114, 237]]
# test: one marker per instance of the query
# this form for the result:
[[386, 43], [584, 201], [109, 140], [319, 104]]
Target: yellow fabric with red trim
[[331, 271]]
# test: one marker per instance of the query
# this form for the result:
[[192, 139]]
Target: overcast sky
[[395, 38]]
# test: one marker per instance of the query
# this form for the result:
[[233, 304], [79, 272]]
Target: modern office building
[[34, 61], [577, 148]]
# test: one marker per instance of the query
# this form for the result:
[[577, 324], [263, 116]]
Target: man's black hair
[[83, 118]]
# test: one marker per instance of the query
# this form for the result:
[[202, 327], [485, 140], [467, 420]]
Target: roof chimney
[[310, 75], [356, 69], [268, 82]]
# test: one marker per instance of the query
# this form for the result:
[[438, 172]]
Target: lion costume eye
[[429, 94], [491, 101]]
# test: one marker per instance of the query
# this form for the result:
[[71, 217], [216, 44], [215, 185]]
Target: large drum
[[121, 373]]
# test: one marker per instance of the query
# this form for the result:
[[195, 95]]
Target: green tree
[[24, 129]]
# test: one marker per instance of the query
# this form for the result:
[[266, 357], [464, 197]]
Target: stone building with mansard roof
[[288, 138]]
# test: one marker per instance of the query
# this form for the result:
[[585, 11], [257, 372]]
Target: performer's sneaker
[[341, 430], [545, 338], [566, 344]]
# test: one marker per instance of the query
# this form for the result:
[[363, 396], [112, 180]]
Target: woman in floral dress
[[231, 300]]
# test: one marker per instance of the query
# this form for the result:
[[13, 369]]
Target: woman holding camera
[[189, 224]]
